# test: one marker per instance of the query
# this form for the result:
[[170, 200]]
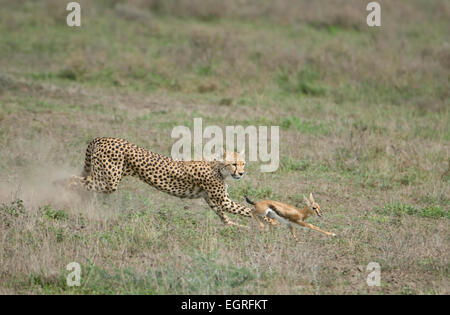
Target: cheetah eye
[[234, 164]]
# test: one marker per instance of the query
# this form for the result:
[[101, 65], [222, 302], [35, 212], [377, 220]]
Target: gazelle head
[[312, 205]]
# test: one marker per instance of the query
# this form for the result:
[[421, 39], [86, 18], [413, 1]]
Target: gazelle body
[[287, 214]]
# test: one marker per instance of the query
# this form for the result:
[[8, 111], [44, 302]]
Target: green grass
[[53, 214], [399, 209], [302, 83], [253, 193], [15, 208], [203, 276], [311, 127]]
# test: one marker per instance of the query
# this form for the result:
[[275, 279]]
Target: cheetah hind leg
[[74, 184], [71, 183], [80, 185]]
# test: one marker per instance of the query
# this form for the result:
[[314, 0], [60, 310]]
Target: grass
[[304, 126], [399, 209], [203, 275], [53, 214], [302, 83], [363, 115]]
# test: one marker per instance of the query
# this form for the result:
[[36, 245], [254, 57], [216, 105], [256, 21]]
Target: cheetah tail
[[249, 201]]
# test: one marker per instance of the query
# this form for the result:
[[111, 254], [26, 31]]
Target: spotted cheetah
[[108, 160]]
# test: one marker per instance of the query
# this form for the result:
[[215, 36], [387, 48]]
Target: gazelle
[[287, 214]]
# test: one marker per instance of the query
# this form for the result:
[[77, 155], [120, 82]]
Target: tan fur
[[289, 213]]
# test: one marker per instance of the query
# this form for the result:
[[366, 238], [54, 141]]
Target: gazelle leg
[[291, 228], [261, 225], [310, 226]]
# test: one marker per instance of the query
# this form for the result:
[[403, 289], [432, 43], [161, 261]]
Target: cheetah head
[[233, 165]]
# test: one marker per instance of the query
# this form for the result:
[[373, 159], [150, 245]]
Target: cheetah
[[108, 160]]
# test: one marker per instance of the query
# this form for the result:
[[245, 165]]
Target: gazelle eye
[[314, 208]]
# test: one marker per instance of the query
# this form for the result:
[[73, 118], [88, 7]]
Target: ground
[[364, 119]]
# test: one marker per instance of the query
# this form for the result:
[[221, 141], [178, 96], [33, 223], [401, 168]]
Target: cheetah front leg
[[230, 206], [221, 213]]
